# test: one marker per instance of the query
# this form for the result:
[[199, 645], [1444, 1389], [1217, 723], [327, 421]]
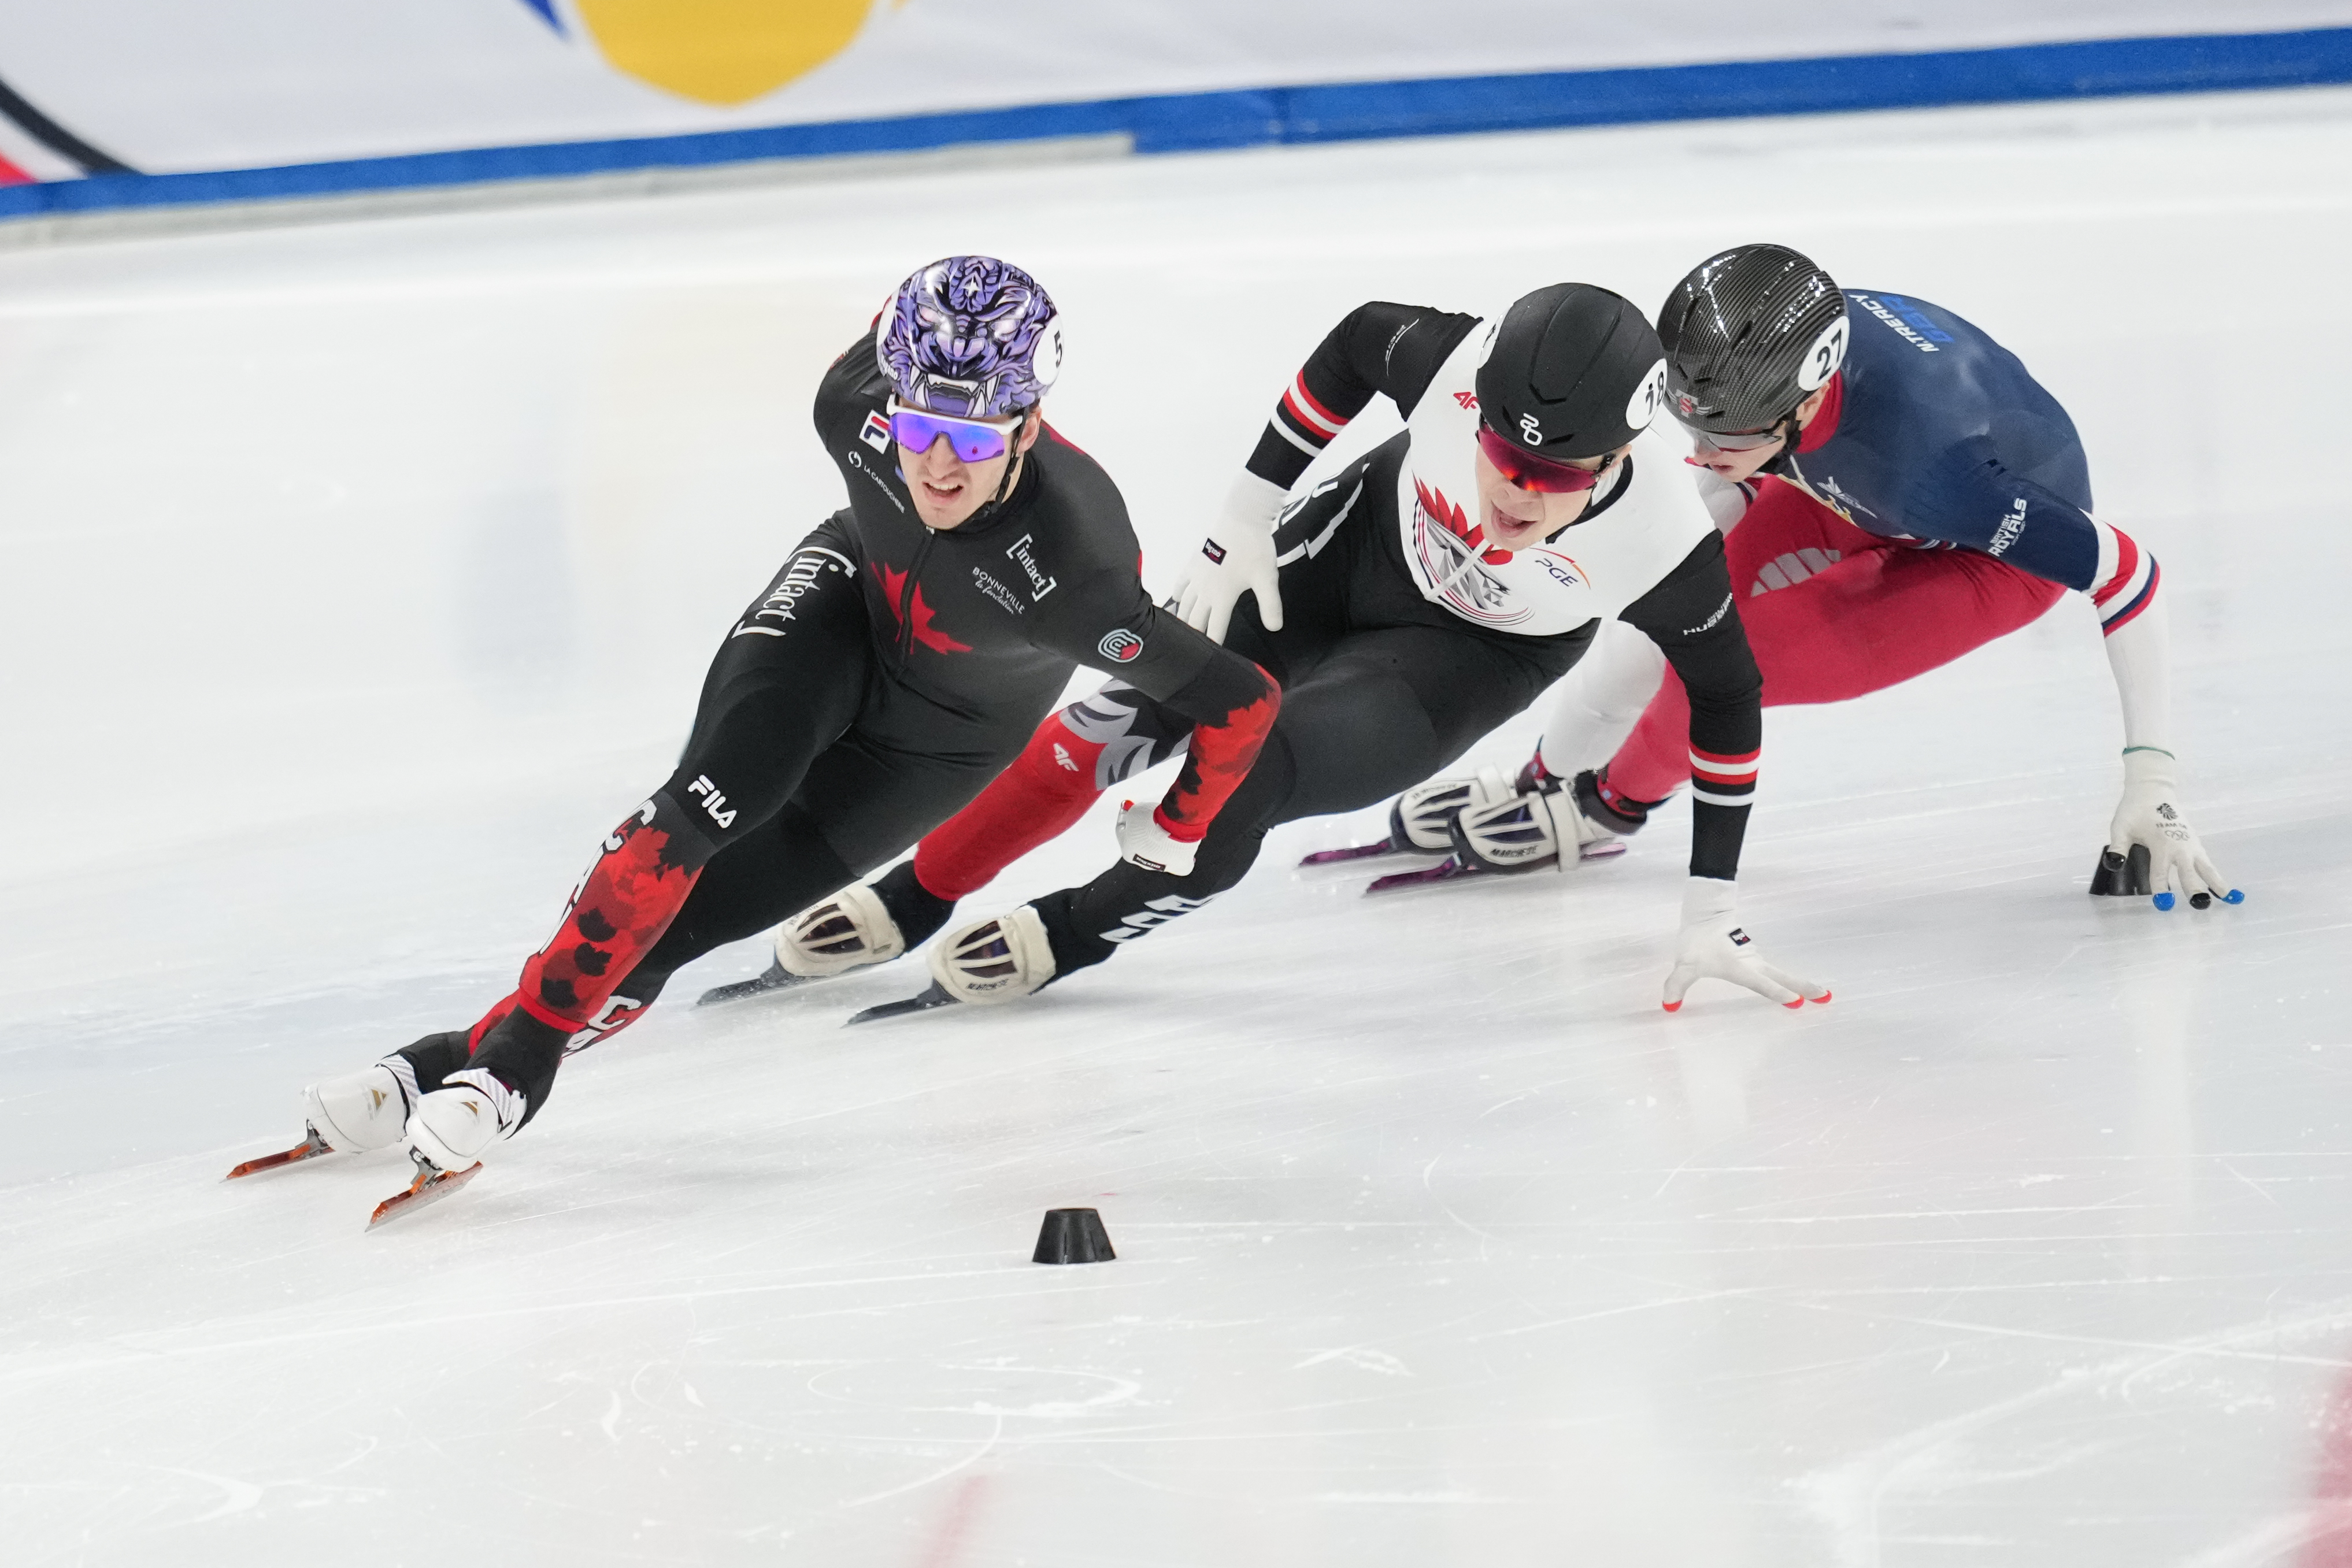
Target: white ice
[[360, 576]]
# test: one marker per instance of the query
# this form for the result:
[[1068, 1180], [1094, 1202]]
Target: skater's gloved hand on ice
[[1237, 558], [2150, 816], [1144, 841], [1713, 946]]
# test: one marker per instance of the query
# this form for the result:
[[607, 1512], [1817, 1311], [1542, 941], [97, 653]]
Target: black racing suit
[[888, 673], [1381, 687]]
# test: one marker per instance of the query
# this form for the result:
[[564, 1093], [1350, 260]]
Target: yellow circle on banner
[[721, 51]]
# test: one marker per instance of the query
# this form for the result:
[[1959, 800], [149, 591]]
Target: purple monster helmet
[[969, 335]]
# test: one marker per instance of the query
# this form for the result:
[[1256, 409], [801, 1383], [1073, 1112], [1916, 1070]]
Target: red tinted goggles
[[1526, 471]]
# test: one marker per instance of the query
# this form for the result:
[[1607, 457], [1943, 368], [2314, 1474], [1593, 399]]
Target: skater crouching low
[[1408, 606], [899, 661]]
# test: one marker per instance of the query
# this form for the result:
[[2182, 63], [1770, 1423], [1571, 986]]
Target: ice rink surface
[[360, 576]]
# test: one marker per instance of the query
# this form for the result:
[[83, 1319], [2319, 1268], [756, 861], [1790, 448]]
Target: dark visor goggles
[[1526, 471], [973, 440], [1736, 441]]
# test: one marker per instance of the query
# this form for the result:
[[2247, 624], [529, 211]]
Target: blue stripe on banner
[[1343, 111]]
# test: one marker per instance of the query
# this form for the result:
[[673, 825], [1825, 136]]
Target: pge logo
[[1120, 646]]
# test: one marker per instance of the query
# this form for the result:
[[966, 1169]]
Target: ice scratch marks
[[2260, 1190], [1850, 1498], [995, 1432], [1361, 1356], [610, 1422], [237, 1496]]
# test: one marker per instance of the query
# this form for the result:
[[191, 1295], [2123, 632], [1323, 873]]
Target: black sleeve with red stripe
[[1694, 618], [1380, 348]]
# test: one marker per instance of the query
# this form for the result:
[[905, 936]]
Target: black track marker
[[55, 137]]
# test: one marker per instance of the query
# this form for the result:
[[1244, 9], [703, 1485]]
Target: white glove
[[1712, 947], [1237, 558], [1143, 842], [2150, 815]]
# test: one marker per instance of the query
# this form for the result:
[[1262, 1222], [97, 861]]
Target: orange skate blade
[[428, 1187], [310, 1148]]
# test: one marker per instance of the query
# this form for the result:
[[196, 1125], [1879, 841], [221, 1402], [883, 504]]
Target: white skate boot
[[363, 1109], [349, 1115], [848, 931], [1534, 828], [456, 1121], [1001, 959]]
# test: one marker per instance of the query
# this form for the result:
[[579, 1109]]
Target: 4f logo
[[713, 801], [1466, 400]]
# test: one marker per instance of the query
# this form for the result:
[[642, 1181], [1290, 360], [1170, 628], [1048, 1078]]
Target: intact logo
[[1119, 646], [1062, 759], [1530, 431], [1465, 399], [1740, 938], [1213, 550], [876, 433]]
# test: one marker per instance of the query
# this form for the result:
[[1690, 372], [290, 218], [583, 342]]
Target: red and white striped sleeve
[[2126, 582]]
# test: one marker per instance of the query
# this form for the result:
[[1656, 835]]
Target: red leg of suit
[[1048, 788], [1834, 612]]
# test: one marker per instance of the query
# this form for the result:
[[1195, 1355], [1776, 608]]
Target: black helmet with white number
[[1749, 335], [1572, 370]]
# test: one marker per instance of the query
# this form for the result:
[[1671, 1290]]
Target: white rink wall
[[154, 88]]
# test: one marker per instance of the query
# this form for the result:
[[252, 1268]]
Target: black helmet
[[1571, 371], [1749, 335]]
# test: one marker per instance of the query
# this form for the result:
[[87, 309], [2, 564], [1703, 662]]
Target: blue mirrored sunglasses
[[973, 440]]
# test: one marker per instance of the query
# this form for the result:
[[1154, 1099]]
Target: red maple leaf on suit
[[1435, 503], [894, 589]]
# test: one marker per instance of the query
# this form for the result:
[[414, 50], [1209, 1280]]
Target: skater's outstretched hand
[[2149, 816], [1713, 946], [1237, 558]]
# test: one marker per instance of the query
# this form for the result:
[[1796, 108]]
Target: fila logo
[[1530, 431], [1062, 758], [876, 433], [1119, 646], [712, 800]]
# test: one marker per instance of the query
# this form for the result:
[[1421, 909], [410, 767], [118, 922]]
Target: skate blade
[[776, 978], [935, 996], [1455, 870], [1360, 853], [310, 1148], [425, 1188], [1448, 870]]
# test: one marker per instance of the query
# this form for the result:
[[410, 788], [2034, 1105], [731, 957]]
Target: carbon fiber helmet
[[1749, 335], [1572, 370]]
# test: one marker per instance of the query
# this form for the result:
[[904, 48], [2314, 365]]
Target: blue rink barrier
[[1340, 111]]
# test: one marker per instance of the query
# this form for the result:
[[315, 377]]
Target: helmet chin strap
[[1013, 468], [1790, 432]]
